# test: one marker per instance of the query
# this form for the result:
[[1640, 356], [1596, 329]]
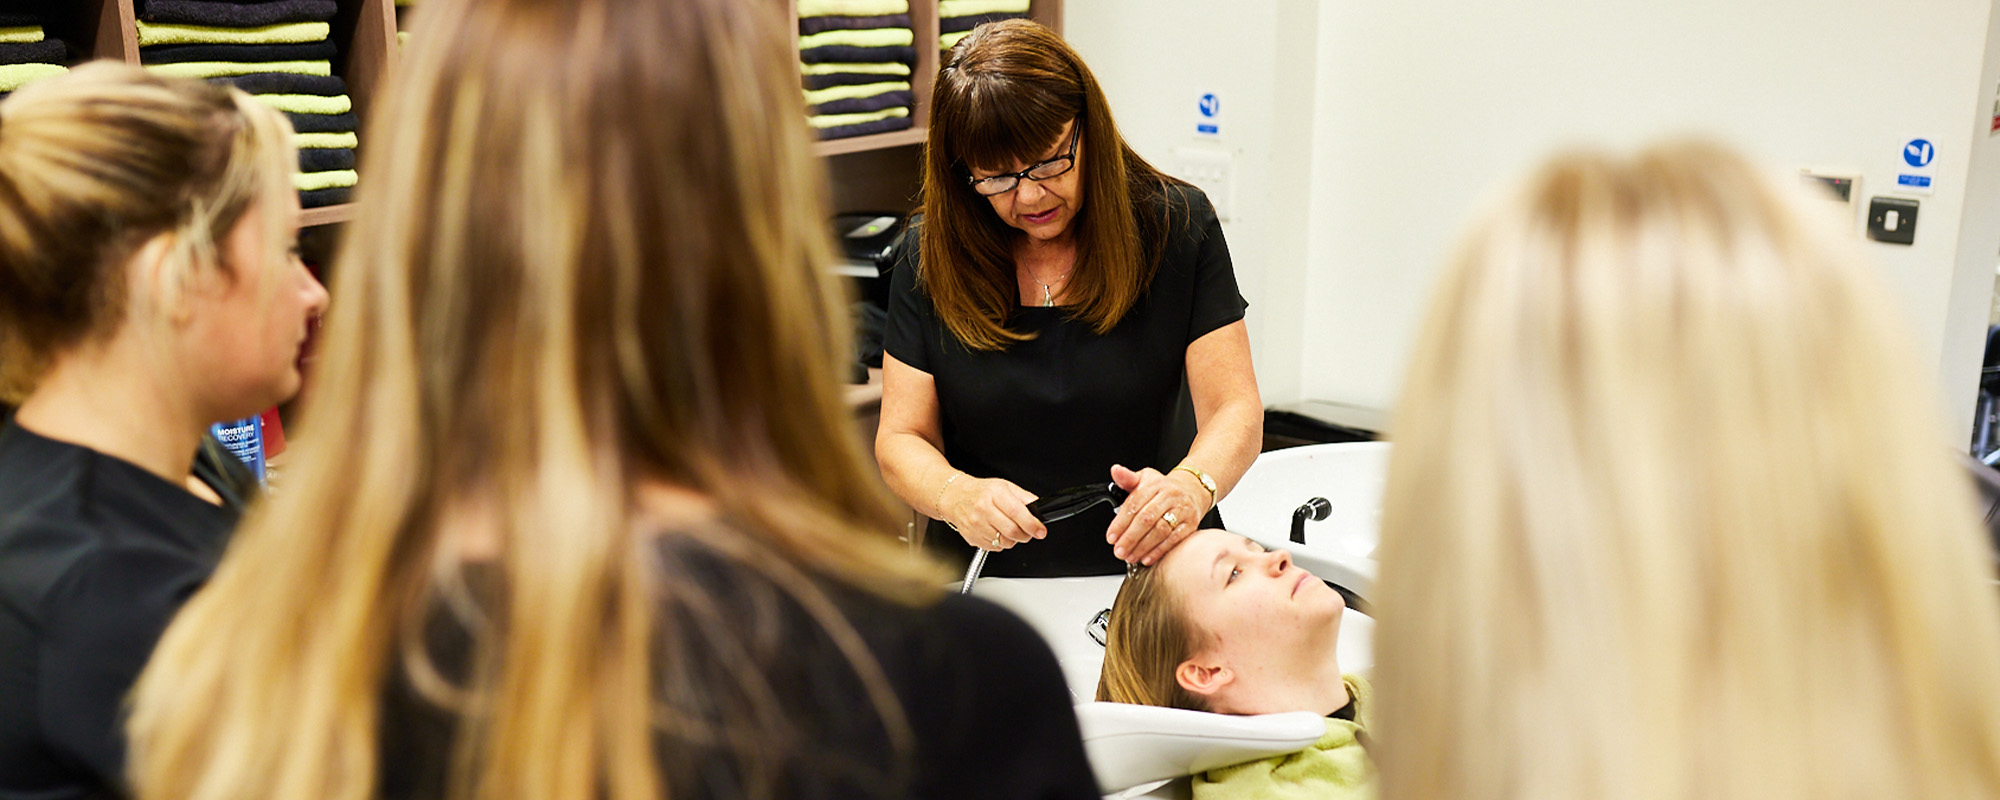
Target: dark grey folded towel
[[324, 123], [19, 19], [852, 54], [46, 51], [326, 197], [862, 105], [237, 14], [285, 83], [966, 23], [811, 25], [238, 53], [325, 159], [850, 79], [865, 128]]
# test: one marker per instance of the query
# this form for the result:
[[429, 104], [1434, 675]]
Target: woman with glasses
[[1065, 314]]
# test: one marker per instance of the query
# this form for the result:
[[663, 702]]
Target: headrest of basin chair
[[1130, 745]]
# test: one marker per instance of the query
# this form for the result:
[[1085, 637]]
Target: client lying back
[[1221, 624]]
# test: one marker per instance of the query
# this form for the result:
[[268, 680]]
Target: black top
[[96, 555], [986, 702], [1058, 410]]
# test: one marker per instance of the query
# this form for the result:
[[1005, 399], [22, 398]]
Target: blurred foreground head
[[584, 308], [1670, 514]]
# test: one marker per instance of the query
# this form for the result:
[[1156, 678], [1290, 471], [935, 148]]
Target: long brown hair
[[1145, 641], [591, 261], [1670, 515], [1002, 97], [92, 165]]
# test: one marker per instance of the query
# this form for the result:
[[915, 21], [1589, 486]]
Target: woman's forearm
[[915, 470]]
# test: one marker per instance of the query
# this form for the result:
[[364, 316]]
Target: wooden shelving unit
[[364, 30]]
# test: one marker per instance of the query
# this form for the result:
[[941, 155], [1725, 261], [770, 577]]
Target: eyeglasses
[[1002, 184]]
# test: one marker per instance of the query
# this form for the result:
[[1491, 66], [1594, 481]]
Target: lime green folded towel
[[315, 181], [1333, 768], [307, 103], [15, 76], [946, 41], [219, 69], [26, 34], [834, 120], [830, 94], [863, 68], [967, 8], [285, 33], [326, 140], [871, 37], [853, 8]]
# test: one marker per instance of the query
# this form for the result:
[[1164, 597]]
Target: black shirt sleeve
[[913, 322], [1218, 301]]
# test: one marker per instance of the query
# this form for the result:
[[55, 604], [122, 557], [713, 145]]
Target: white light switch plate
[[1213, 170]]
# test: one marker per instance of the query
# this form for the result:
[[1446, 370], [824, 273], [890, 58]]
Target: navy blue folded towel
[[811, 25], [852, 54], [865, 128], [325, 159], [970, 21], [324, 123], [241, 53], [848, 79], [46, 51], [285, 83], [863, 105], [237, 14], [326, 197]]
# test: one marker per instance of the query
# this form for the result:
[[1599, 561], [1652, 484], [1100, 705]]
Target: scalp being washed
[[1222, 624]]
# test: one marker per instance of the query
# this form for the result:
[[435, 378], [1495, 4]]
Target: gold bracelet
[[938, 502], [1206, 482]]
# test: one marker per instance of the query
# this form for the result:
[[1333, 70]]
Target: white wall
[[1354, 178]]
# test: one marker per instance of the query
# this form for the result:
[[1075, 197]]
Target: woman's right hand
[[990, 513]]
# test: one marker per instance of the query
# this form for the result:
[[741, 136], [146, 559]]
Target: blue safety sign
[[1918, 153], [1210, 106]]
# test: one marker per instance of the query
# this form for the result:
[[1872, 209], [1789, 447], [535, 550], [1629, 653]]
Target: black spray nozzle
[[1075, 500], [1315, 509]]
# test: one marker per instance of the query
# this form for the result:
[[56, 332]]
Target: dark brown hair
[[1002, 98]]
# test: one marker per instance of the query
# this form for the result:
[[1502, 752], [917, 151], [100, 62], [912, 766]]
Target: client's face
[[1257, 607]]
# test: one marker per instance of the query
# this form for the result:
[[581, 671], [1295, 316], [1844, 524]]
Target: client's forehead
[[1197, 554]]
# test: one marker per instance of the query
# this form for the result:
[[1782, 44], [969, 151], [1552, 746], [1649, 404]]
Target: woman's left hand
[[1161, 511]]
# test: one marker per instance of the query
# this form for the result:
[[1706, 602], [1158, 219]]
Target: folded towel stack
[[279, 52], [856, 59], [956, 18], [27, 52]]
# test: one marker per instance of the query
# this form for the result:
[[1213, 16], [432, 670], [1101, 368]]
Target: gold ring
[[996, 542], [1172, 521]]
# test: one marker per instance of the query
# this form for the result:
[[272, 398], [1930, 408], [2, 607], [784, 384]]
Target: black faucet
[[1315, 509]]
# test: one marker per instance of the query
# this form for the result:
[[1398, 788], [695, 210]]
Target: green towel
[[818, 96], [15, 76], [27, 34], [967, 8], [872, 37], [315, 181], [1333, 768], [286, 33], [946, 41], [835, 120], [326, 140], [218, 69], [864, 68], [853, 8], [307, 103]]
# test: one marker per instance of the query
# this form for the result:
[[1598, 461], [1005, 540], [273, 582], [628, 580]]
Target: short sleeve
[[913, 323], [1217, 299], [103, 618], [997, 712]]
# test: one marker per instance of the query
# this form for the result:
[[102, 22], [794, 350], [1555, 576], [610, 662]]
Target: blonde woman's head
[[1222, 624], [129, 199], [1669, 514]]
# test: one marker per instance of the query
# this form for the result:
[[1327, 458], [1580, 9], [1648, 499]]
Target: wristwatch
[[1206, 482]]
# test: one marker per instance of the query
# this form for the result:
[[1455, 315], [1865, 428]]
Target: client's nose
[[1281, 560]]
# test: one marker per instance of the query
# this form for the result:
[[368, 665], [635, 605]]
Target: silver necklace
[[1048, 297]]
